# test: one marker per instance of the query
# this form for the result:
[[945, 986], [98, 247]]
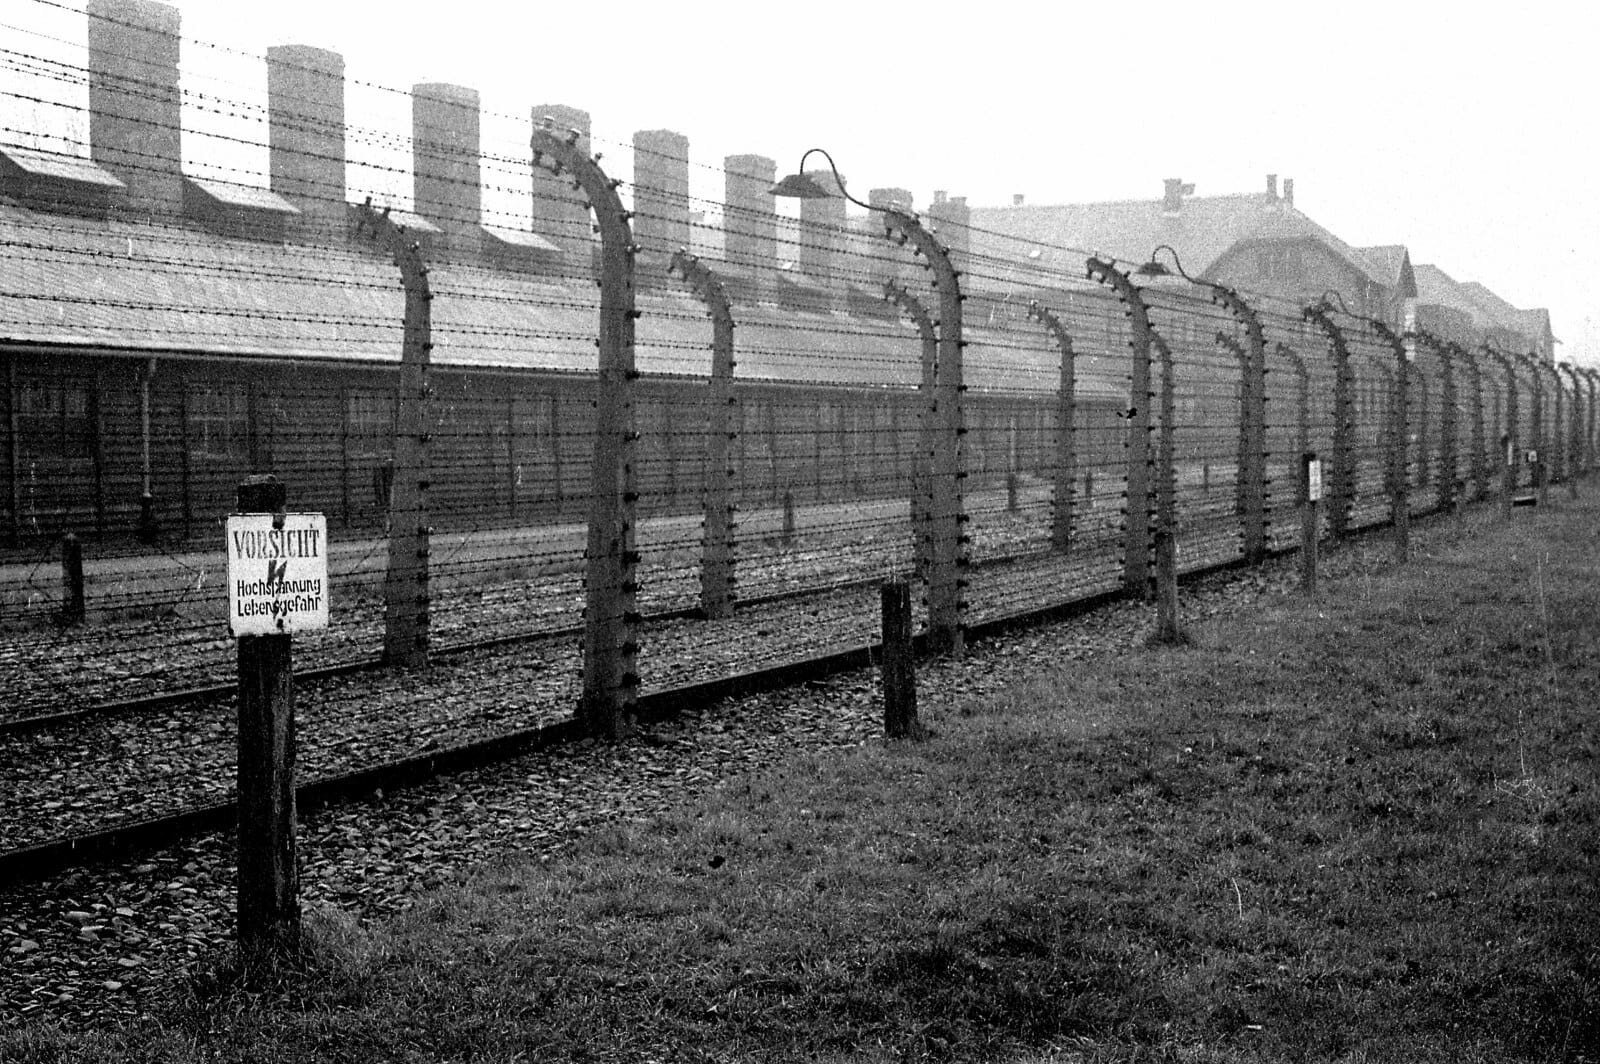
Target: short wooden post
[[788, 517], [1167, 627], [148, 529], [1011, 493], [1541, 479], [1310, 504], [1508, 471], [72, 607], [899, 664], [268, 881]]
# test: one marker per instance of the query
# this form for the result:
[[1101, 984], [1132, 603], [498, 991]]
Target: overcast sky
[[1463, 131]]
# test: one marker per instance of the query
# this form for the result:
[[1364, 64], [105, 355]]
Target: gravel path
[[107, 770], [110, 943], [177, 639]]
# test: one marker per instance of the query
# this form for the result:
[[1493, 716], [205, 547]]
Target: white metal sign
[[277, 576], [1314, 480]]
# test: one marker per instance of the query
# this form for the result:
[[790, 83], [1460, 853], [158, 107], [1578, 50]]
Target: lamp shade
[[800, 186]]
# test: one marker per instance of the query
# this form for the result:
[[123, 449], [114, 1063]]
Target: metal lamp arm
[[837, 179]]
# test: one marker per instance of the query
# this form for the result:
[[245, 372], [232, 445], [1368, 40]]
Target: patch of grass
[[1359, 827]]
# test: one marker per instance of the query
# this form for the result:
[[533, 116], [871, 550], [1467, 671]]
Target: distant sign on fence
[[1314, 480], [277, 576]]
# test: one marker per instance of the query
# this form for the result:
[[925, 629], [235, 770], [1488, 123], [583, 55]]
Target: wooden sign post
[[277, 585]]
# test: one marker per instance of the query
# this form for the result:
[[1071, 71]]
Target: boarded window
[[369, 424], [55, 419], [218, 423]]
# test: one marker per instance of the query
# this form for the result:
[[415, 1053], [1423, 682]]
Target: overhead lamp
[[801, 185]]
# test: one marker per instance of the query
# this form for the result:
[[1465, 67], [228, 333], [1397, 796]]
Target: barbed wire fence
[[785, 410]]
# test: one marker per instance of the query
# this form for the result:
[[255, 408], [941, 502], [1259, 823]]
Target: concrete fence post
[[1510, 456], [1446, 473], [1399, 441], [1066, 455], [406, 583], [1480, 457], [611, 612], [1540, 461], [1253, 469], [1573, 443], [1342, 475], [922, 471], [1592, 440], [717, 578], [1241, 452], [947, 580], [1168, 628], [1136, 531], [1166, 436]]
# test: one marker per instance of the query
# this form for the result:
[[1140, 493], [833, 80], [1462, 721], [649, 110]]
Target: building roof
[[229, 194], [1482, 306], [403, 218], [1534, 323], [110, 284], [1437, 288], [520, 238], [1013, 241], [1392, 262], [57, 167]]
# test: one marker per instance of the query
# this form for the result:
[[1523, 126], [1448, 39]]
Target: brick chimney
[[1288, 192], [882, 260], [1172, 198], [135, 127], [750, 219], [305, 108], [446, 172], [890, 197], [950, 219], [822, 234], [750, 224], [660, 191], [560, 212], [1272, 185]]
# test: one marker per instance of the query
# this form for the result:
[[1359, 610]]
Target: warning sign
[[277, 576]]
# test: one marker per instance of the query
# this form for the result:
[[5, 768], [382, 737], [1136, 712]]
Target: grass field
[[1361, 828]]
